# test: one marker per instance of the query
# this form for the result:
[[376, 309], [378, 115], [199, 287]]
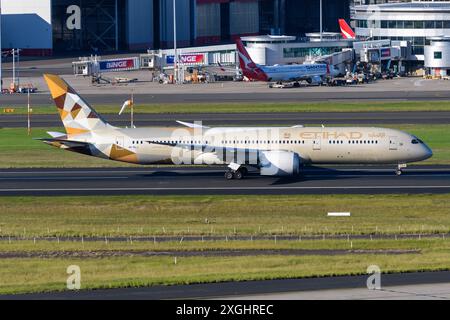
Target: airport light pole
[[321, 22], [132, 110], [14, 67], [29, 110], [18, 67], [175, 56]]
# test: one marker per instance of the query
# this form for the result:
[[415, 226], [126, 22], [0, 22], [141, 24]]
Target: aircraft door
[[393, 143], [120, 142], [317, 144]]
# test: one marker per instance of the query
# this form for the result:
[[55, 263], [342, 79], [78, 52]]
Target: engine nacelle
[[315, 80], [280, 163]]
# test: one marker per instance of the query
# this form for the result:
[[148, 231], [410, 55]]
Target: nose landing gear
[[399, 170]]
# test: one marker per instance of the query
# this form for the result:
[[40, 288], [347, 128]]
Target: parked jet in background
[[312, 73], [346, 30], [275, 151]]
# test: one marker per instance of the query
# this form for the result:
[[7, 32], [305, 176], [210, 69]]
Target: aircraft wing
[[192, 125], [196, 146], [237, 155]]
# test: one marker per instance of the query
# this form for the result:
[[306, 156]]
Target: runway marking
[[97, 172], [418, 83], [62, 178], [308, 177], [226, 188], [343, 170]]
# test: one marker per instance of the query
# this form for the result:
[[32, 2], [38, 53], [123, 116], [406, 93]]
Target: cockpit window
[[415, 141]]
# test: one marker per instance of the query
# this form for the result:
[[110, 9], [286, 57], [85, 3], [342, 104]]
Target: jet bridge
[[338, 60]]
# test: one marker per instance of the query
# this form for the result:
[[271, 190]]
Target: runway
[[247, 119], [211, 181], [270, 288]]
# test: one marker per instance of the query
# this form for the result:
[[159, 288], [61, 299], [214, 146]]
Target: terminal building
[[340, 53], [414, 22]]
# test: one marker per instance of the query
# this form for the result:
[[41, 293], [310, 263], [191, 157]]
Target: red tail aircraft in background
[[346, 30]]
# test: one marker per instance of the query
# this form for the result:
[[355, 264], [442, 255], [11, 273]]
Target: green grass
[[18, 150], [223, 215], [21, 275], [44, 246], [258, 107], [185, 215]]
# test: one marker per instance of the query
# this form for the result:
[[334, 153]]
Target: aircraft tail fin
[[346, 30], [245, 61], [76, 114], [250, 69]]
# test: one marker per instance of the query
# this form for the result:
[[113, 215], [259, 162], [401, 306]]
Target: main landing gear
[[399, 170], [235, 171]]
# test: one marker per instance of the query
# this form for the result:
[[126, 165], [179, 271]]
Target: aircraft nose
[[427, 152]]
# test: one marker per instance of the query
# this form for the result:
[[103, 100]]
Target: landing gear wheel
[[400, 167], [229, 175], [238, 175]]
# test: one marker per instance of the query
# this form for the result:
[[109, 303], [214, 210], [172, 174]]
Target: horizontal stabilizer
[[54, 134], [63, 142]]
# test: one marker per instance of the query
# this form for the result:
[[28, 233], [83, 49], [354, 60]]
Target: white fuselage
[[295, 72], [314, 145]]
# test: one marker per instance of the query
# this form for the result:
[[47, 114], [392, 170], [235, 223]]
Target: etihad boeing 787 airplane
[[275, 151]]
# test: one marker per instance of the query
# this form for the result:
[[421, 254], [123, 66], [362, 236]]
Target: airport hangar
[[108, 26], [46, 27]]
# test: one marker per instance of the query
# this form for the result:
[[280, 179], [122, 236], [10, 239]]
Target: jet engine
[[315, 80], [280, 163]]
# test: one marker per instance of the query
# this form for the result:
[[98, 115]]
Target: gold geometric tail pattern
[[77, 116]]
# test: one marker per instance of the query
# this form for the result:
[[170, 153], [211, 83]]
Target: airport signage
[[373, 55], [385, 52], [118, 64], [187, 59]]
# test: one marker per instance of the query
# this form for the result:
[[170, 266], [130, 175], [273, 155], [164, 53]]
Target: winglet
[[192, 125]]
